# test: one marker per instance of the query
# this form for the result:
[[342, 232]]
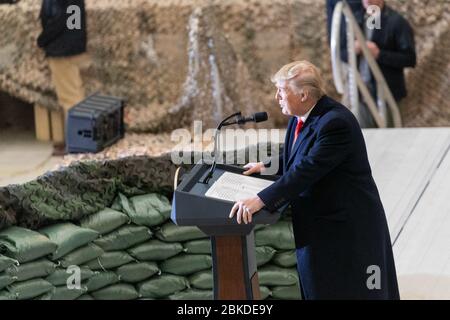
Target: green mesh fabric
[[82, 189]]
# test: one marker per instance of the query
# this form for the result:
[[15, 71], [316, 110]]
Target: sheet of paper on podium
[[235, 187]]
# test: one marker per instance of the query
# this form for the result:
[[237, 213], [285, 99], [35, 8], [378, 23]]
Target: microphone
[[256, 117], [239, 119]]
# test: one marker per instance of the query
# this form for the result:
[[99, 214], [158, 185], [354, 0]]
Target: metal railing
[[384, 98]]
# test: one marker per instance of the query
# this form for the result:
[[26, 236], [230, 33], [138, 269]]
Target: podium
[[233, 244]]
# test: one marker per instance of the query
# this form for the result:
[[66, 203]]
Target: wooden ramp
[[412, 170]]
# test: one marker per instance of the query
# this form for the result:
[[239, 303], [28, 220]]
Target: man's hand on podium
[[244, 209], [253, 167]]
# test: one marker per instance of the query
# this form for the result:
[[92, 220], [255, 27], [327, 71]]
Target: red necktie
[[298, 128]]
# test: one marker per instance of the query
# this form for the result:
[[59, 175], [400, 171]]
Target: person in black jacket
[[56, 38], [64, 39], [358, 11], [393, 47]]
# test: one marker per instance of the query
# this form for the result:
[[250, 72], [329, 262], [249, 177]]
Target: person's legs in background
[[66, 78]]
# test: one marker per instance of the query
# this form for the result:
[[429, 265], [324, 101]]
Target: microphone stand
[[224, 123]]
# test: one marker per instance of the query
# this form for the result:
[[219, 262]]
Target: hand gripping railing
[[384, 96]]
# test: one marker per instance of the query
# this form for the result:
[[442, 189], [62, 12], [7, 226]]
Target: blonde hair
[[300, 75]]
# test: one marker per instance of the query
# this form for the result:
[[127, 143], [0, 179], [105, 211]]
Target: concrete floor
[[411, 167], [23, 158]]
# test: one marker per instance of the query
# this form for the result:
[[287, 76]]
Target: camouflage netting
[[82, 189], [167, 57], [133, 144], [429, 94]]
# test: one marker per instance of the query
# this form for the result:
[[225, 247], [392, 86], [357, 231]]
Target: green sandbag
[[30, 289], [110, 260], [60, 276], [45, 296], [271, 275], [162, 286], [170, 232], [68, 237], [104, 221], [279, 236], [85, 297], [286, 292], [64, 293], [25, 245], [149, 209], [116, 204], [32, 270], [260, 226], [202, 246], [135, 272], [116, 292], [264, 254], [6, 295], [81, 255], [185, 264], [124, 204], [202, 280], [155, 250], [192, 294], [124, 238], [265, 292], [101, 280], [6, 262], [285, 259], [6, 280]]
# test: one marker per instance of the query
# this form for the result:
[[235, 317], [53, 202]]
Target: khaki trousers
[[67, 81]]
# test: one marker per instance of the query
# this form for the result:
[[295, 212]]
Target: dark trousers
[[299, 253]]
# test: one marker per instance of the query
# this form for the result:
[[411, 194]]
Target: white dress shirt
[[306, 115]]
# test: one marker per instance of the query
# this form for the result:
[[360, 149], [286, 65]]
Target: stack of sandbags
[[165, 249], [280, 275], [130, 248], [24, 265], [175, 269], [132, 251], [36, 264], [115, 269], [275, 259], [74, 247]]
